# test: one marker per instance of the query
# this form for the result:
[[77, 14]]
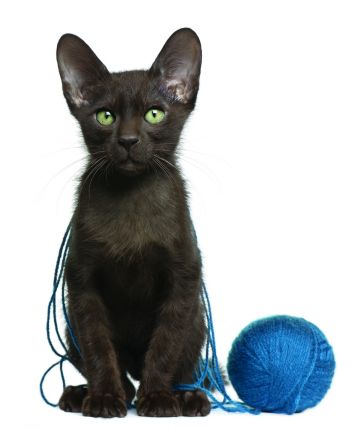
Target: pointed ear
[[178, 66], [79, 69]]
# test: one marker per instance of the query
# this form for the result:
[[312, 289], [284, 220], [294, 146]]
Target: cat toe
[[158, 404], [104, 405], [194, 403], [72, 398]]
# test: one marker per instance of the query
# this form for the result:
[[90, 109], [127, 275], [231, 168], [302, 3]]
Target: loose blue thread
[[208, 366], [52, 311]]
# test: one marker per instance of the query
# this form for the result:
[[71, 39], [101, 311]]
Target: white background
[[268, 155]]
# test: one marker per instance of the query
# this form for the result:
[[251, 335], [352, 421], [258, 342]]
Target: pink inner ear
[[179, 89], [75, 95]]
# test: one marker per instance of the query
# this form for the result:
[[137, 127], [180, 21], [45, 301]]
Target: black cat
[[133, 269]]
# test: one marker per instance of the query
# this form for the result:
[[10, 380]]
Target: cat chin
[[130, 168]]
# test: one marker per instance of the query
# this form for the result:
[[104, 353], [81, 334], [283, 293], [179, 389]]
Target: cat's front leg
[[155, 397], [105, 396]]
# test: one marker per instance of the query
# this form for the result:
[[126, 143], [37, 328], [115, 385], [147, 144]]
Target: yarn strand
[[52, 311], [208, 368]]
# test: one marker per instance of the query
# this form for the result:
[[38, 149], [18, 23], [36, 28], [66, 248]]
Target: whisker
[[108, 165], [90, 169], [207, 172], [165, 160], [97, 169], [45, 187], [182, 148], [164, 170], [72, 178], [161, 168], [63, 149], [98, 152], [192, 161]]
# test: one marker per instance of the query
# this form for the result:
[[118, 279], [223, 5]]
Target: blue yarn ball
[[281, 364]]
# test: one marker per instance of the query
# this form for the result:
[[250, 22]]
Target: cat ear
[[79, 68], [178, 66]]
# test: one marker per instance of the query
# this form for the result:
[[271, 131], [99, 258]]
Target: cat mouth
[[131, 166]]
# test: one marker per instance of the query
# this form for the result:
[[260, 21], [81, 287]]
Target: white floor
[[324, 416], [332, 412]]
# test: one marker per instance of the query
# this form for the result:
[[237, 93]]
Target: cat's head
[[131, 119]]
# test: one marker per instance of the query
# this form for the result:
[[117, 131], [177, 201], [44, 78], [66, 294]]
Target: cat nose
[[128, 141]]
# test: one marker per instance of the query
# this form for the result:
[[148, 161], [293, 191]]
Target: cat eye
[[154, 116], [105, 117]]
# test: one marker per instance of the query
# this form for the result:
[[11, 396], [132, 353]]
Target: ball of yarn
[[281, 364]]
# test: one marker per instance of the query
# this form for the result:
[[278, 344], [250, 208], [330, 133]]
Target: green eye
[[154, 116], [105, 117]]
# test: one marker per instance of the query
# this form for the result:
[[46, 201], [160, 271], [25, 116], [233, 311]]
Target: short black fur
[[133, 269]]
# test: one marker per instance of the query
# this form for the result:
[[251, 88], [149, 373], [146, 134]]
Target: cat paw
[[158, 404], [104, 405], [72, 398], [193, 403]]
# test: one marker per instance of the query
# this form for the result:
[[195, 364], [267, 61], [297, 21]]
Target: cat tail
[[211, 384]]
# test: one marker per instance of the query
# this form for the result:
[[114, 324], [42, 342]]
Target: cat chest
[[129, 225]]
